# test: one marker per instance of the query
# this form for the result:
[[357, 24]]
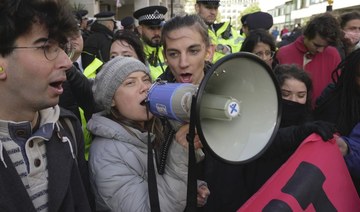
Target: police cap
[[105, 16], [151, 16], [243, 19], [127, 21], [258, 20], [209, 2], [80, 14]]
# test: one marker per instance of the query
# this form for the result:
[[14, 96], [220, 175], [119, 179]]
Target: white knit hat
[[111, 76]]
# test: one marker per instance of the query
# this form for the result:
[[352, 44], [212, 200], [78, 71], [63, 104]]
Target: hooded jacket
[[118, 169], [53, 165]]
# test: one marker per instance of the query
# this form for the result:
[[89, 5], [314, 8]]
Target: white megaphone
[[237, 106]]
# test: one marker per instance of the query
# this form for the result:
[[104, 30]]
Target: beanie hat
[[111, 76]]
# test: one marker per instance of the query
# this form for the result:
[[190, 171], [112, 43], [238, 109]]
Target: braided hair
[[347, 85]]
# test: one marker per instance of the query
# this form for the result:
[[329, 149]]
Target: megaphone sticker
[[161, 109], [234, 109], [186, 102]]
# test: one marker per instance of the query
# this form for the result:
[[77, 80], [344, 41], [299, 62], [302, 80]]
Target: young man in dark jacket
[[42, 165]]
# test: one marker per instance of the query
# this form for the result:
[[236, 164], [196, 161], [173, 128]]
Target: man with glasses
[[314, 51], [151, 20], [42, 166], [224, 37]]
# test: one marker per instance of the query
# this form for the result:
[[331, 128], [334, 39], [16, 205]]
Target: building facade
[[285, 12], [290, 13]]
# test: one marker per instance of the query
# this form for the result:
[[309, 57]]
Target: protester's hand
[[181, 134], [325, 129], [344, 149], [203, 193]]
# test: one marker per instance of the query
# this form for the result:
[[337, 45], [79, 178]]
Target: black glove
[[322, 128]]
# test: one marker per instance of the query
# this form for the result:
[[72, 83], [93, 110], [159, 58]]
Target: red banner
[[315, 178]]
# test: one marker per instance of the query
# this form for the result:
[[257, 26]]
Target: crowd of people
[[76, 132]]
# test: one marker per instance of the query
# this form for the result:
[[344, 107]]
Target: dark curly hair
[[326, 26], [18, 16]]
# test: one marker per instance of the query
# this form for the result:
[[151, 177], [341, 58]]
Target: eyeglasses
[[266, 54], [51, 49]]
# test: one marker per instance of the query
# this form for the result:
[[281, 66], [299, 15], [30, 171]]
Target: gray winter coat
[[118, 170]]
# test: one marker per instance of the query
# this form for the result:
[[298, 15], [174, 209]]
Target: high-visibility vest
[[90, 70], [234, 41], [156, 67], [90, 73]]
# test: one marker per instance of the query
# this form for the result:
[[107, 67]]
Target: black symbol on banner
[[306, 186]]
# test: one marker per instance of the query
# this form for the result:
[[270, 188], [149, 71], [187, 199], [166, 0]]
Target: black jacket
[[328, 109], [97, 45], [68, 101], [327, 105], [80, 91], [232, 185]]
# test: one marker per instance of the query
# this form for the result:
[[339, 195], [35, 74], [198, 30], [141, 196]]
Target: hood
[[104, 127], [49, 115], [48, 119]]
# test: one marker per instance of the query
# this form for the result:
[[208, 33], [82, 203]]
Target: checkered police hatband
[[155, 16]]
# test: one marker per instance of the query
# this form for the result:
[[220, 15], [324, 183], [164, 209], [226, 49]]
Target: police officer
[[97, 45], [150, 22], [224, 37], [82, 18], [128, 23]]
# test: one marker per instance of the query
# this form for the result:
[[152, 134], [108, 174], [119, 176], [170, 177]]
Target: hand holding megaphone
[[181, 137]]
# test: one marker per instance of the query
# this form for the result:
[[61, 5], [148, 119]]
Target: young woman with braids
[[340, 104]]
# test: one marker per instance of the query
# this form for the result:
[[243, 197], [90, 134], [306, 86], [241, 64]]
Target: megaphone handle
[[192, 182]]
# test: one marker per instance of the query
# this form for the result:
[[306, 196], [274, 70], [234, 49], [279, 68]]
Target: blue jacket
[[352, 159]]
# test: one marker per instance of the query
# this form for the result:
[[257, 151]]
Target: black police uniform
[[99, 42]]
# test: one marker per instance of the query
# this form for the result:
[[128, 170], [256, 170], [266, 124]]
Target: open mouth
[[57, 85], [143, 102], [186, 77]]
